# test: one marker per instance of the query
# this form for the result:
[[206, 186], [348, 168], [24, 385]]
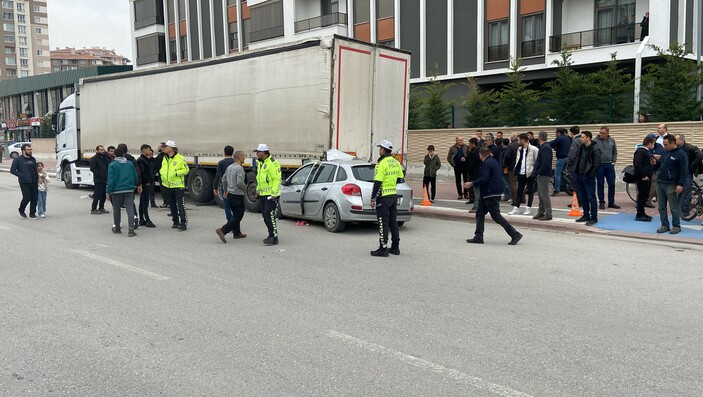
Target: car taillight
[[351, 189], [357, 207]]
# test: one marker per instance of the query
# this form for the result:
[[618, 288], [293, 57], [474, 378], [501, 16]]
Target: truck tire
[[251, 203], [219, 200], [200, 185], [67, 177]]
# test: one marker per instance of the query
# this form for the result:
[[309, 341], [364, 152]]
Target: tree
[[669, 88], [435, 109], [516, 99], [415, 103], [567, 102], [479, 106], [45, 127], [614, 87]]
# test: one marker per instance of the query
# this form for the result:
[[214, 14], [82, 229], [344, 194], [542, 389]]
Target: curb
[[555, 225]]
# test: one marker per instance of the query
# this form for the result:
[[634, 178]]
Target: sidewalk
[[611, 222], [49, 165]]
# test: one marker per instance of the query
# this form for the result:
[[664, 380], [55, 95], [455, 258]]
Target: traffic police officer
[[384, 199], [268, 188]]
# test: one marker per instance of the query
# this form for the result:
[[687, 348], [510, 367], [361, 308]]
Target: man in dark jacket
[[510, 159], [157, 167], [457, 157], [24, 167], [146, 174], [490, 182], [606, 171], [587, 163], [132, 160], [561, 145], [98, 166], [473, 167], [543, 172], [671, 179], [643, 162]]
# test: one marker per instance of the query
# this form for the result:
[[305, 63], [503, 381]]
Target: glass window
[[148, 12], [24, 73], [21, 18], [37, 30], [9, 38], [151, 49], [364, 172], [23, 40], [341, 175], [172, 50], [22, 29], [533, 35], [362, 12], [184, 48], [498, 47], [24, 63], [325, 174], [8, 27], [10, 61], [40, 64], [384, 9], [11, 72], [615, 21], [6, 4], [9, 50], [40, 53], [37, 9], [20, 7], [233, 36], [23, 52], [8, 15], [37, 20], [301, 176]]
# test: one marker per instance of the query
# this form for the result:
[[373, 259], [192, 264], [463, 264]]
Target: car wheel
[[14, 155], [331, 219], [400, 224]]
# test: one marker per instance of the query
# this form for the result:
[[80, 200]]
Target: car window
[[325, 174], [364, 172], [301, 176], [341, 175]]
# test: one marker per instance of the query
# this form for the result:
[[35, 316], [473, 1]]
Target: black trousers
[[491, 205], [524, 182], [642, 193], [144, 201], [387, 214], [152, 193], [99, 196], [269, 214], [459, 173], [236, 204], [177, 204], [30, 194], [426, 182]]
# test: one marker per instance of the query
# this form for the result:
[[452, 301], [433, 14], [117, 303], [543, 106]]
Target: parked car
[[336, 193], [15, 150]]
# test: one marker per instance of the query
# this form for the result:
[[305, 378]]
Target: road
[[85, 312]]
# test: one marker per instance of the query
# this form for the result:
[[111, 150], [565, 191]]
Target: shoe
[[431, 200], [516, 238], [95, 212], [675, 230], [149, 224], [592, 222], [383, 252], [473, 210], [466, 196], [650, 205], [153, 205], [221, 235], [514, 211], [394, 250], [601, 206], [90, 195], [142, 223], [474, 241], [271, 240], [583, 219], [42, 216], [164, 205], [175, 225], [615, 206], [116, 230], [460, 198], [104, 211], [528, 211], [538, 216], [136, 223], [240, 235], [643, 218], [663, 229], [471, 201], [131, 233], [23, 215], [182, 227], [546, 218], [33, 218], [555, 193]]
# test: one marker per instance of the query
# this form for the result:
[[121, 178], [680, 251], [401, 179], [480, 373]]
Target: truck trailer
[[301, 99]]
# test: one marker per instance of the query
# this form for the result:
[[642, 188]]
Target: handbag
[[629, 174]]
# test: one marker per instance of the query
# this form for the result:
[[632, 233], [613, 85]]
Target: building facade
[[72, 59], [25, 44]]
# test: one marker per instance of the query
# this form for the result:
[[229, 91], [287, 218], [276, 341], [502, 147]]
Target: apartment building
[[72, 59], [450, 39], [25, 44]]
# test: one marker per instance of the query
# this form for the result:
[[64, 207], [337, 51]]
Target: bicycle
[[692, 201]]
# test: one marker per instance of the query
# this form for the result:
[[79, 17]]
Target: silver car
[[335, 193]]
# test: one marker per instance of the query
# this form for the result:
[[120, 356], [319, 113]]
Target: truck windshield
[[364, 172]]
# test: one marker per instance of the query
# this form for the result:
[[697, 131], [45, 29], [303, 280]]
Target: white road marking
[[122, 265], [472, 381]]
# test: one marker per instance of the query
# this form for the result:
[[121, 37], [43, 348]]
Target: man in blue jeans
[[587, 162], [671, 178], [606, 171], [561, 145]]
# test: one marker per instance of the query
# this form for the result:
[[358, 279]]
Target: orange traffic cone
[[575, 211], [425, 200]]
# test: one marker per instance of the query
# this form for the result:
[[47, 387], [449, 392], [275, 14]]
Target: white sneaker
[[514, 211], [528, 211], [42, 216]]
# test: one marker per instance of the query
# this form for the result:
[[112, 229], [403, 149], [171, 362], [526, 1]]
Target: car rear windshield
[[363, 172]]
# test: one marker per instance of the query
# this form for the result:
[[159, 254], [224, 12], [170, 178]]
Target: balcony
[[532, 48], [321, 22], [498, 53], [620, 34], [265, 34]]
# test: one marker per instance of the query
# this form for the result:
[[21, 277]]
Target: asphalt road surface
[[167, 313]]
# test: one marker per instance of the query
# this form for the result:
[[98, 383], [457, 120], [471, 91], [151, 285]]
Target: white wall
[[577, 15], [305, 9]]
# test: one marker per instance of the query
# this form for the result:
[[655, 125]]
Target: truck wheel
[[219, 200], [67, 177], [251, 203], [330, 217], [200, 185]]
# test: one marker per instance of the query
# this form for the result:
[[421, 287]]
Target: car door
[[316, 192], [292, 189]]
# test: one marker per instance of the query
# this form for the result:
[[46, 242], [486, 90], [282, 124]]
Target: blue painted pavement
[[627, 223]]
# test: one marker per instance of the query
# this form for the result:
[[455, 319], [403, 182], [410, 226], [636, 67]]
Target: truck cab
[[71, 169]]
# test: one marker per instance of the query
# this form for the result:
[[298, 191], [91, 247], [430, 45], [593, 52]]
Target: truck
[[301, 99]]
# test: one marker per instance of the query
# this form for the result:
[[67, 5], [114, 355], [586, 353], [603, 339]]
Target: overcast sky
[[87, 23]]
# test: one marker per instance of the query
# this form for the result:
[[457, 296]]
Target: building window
[[40, 64], [56, 69], [9, 38], [233, 37], [8, 27], [267, 21], [615, 21], [8, 15], [10, 61], [22, 29], [231, 2], [24, 63], [151, 49], [148, 12], [20, 7], [22, 40], [23, 52], [172, 50], [21, 18], [387, 43], [384, 9], [184, 48], [40, 53], [498, 47], [532, 35], [82, 62], [37, 19], [24, 73], [9, 50], [37, 30], [6, 4], [11, 72], [37, 9]]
